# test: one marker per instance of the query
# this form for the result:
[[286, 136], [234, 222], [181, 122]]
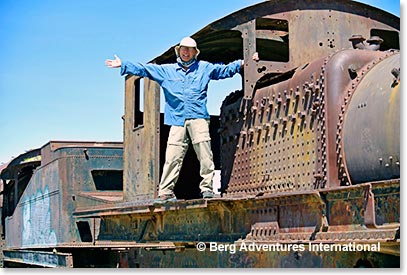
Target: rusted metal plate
[[37, 258], [279, 145], [290, 136], [142, 135], [252, 256], [42, 217], [371, 137], [298, 217]]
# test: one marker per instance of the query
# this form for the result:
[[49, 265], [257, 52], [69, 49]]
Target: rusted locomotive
[[308, 151]]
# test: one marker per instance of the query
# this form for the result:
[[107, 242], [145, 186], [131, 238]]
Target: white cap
[[187, 42]]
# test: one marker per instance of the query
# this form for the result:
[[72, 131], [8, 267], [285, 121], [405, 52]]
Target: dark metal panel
[[338, 78], [372, 129], [42, 217], [34, 222], [38, 258]]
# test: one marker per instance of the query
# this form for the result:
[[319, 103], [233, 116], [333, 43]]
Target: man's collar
[[192, 68]]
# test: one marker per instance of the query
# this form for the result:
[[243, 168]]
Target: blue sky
[[53, 82]]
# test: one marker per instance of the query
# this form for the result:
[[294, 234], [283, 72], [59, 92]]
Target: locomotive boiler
[[308, 152]]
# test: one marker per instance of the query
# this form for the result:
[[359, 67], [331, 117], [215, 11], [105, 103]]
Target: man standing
[[185, 85]]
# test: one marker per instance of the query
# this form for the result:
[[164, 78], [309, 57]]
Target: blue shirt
[[185, 91]]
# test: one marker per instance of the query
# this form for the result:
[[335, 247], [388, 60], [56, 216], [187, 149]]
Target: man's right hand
[[116, 63]]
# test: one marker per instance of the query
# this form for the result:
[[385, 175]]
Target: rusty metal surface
[[278, 146], [12, 168], [290, 136], [279, 220], [42, 217], [371, 128], [285, 30], [217, 42], [341, 214], [191, 258], [38, 258], [141, 164]]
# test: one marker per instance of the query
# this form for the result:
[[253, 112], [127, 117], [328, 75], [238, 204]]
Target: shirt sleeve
[[153, 71], [220, 71]]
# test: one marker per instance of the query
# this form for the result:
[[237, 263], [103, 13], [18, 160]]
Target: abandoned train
[[308, 151]]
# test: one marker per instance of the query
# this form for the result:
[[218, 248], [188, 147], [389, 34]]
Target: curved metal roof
[[218, 42]]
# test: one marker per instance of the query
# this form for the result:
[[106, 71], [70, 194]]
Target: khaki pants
[[197, 131]]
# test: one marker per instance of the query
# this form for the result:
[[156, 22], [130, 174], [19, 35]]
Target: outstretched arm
[[224, 71], [116, 63], [152, 71], [255, 57]]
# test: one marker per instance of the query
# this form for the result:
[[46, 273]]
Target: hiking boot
[[208, 195], [165, 198]]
